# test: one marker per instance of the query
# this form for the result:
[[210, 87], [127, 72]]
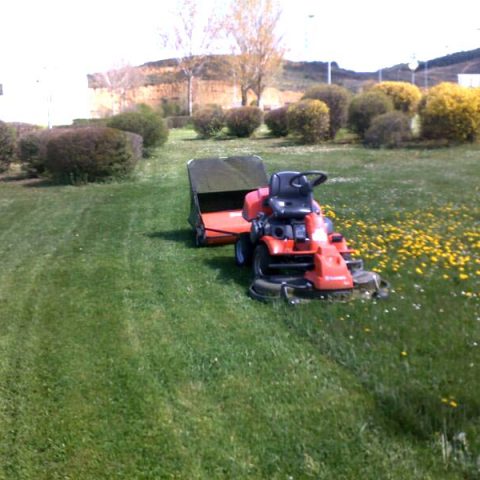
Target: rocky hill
[[156, 83], [300, 75]]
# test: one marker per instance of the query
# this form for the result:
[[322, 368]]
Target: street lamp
[[311, 16]]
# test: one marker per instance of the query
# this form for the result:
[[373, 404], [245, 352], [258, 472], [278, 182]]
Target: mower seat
[[286, 201]]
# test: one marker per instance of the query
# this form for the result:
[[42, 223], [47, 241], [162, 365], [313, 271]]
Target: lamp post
[[308, 36], [426, 73], [413, 65], [311, 16]]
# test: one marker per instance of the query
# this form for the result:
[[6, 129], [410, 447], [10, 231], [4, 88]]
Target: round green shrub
[[32, 150], [144, 122], [365, 107], [7, 146], [450, 112], [89, 154], [337, 99], [309, 120], [404, 95], [243, 121], [277, 122], [208, 120], [389, 130]]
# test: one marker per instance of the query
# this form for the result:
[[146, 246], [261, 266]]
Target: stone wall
[[104, 102]]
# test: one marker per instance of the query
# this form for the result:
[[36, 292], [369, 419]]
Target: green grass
[[127, 353]]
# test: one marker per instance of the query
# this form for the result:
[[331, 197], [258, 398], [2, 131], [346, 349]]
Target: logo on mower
[[335, 278]]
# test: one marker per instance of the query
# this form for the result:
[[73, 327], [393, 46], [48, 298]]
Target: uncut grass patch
[[128, 353]]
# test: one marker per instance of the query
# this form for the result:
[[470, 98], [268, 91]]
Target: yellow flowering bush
[[451, 112], [405, 96], [309, 120]]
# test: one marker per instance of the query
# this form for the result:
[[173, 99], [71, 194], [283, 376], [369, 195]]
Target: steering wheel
[[320, 177]]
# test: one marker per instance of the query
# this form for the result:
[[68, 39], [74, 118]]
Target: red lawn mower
[[292, 247]]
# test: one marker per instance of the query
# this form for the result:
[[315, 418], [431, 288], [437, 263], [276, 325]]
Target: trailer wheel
[[243, 250], [200, 238], [261, 261]]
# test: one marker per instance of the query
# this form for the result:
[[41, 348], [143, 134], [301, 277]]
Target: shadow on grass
[[224, 265], [184, 236], [40, 183], [228, 271]]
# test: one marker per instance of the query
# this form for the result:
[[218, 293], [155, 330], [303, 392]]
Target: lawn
[[125, 352]]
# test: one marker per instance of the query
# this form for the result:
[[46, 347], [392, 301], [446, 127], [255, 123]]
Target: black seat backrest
[[287, 201]]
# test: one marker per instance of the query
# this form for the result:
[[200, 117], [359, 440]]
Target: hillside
[[298, 76]]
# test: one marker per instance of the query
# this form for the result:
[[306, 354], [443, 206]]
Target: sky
[[47, 44]]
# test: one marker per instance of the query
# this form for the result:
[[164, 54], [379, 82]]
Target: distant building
[[469, 79]]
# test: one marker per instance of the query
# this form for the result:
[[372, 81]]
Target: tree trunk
[[244, 91], [258, 90], [190, 94]]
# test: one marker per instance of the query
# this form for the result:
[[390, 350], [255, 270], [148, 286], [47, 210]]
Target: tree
[[190, 38], [118, 82], [257, 48]]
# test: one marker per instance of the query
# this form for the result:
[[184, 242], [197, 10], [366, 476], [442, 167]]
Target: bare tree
[[191, 38], [252, 26], [119, 82]]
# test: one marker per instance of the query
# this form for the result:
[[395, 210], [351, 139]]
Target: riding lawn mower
[[280, 231]]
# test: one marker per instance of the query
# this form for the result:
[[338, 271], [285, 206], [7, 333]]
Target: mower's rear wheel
[[243, 250], [261, 261]]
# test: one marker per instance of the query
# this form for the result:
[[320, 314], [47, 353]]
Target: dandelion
[[403, 353], [419, 271], [453, 403], [463, 276]]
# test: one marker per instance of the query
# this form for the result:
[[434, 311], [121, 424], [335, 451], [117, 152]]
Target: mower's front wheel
[[243, 250], [261, 261]]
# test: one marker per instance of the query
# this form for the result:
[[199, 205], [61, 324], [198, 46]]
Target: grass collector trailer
[[217, 191]]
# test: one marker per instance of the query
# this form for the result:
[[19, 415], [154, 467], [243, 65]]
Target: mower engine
[[293, 248]]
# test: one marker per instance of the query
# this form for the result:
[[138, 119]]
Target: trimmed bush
[[7, 146], [136, 144], [405, 96], [90, 122], [277, 122], [89, 154], [145, 122], [365, 107], [208, 120], [32, 150], [389, 130], [22, 129], [309, 120], [450, 112], [243, 121], [180, 121], [337, 100]]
